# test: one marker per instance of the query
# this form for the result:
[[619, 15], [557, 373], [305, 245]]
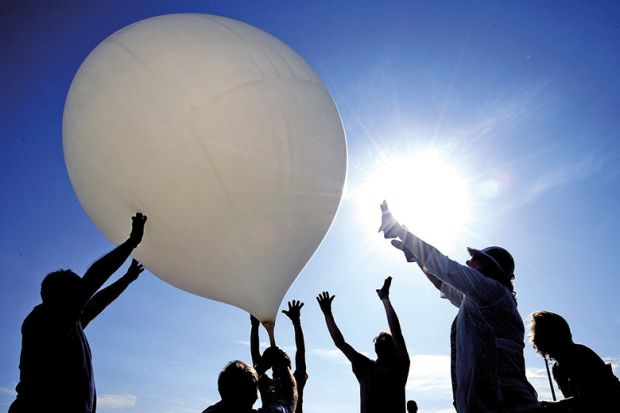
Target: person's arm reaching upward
[[103, 268], [462, 278], [294, 313], [254, 339], [325, 302], [104, 297], [392, 318]]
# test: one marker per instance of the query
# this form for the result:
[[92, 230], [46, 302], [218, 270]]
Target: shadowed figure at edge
[[300, 374], [56, 373], [382, 381], [488, 333], [587, 383], [238, 384]]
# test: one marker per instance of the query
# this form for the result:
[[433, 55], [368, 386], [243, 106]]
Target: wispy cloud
[[504, 112], [333, 355], [114, 401], [8, 391], [430, 373], [572, 173]]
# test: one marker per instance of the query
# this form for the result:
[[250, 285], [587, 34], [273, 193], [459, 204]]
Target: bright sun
[[424, 191]]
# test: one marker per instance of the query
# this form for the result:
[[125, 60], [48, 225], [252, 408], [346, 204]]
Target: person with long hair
[[586, 381]]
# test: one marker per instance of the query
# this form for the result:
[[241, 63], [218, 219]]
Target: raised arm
[[325, 302], [103, 268], [104, 297], [294, 313], [410, 258], [254, 339], [462, 278], [392, 318]]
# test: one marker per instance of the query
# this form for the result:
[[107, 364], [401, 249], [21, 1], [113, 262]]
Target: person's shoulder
[[215, 408], [580, 351], [38, 316]]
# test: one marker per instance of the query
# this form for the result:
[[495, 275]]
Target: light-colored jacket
[[490, 368]]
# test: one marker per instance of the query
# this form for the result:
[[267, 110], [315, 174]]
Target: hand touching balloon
[[137, 228]]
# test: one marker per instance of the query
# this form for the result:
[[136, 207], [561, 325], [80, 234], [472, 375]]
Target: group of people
[[487, 343]]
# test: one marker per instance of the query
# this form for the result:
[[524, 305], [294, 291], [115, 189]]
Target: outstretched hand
[[384, 292], [137, 228], [294, 310], [134, 270], [389, 225], [325, 302]]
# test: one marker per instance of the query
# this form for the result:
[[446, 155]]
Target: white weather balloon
[[224, 137]]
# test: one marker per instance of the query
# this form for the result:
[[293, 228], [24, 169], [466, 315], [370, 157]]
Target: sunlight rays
[[424, 190]]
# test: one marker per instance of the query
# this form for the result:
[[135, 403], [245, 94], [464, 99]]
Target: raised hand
[[384, 292], [389, 225], [325, 302], [294, 310], [137, 228], [134, 270]]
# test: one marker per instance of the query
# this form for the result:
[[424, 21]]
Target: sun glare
[[424, 191]]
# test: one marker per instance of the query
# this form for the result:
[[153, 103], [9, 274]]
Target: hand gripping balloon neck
[[269, 326]]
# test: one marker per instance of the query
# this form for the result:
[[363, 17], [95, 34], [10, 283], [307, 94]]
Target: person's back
[[382, 382], [587, 383], [55, 364], [382, 385], [583, 375]]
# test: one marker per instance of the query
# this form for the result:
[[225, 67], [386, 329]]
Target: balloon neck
[[269, 326]]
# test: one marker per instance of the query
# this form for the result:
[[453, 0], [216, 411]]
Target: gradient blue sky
[[522, 98]]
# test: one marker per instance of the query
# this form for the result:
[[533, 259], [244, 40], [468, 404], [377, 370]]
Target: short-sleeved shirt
[[585, 376], [382, 385], [55, 365]]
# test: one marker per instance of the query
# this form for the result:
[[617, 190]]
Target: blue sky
[[522, 99]]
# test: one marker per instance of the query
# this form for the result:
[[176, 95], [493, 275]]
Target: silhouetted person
[[412, 406], [238, 384], [294, 313], [56, 373], [489, 332], [382, 382], [588, 384]]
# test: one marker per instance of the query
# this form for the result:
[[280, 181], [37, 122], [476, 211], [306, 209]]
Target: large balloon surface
[[224, 137]]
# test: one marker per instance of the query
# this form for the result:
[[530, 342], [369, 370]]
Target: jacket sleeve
[[461, 278]]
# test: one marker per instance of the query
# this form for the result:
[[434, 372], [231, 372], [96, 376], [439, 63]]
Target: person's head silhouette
[[412, 406], [237, 385], [494, 262], [61, 289], [549, 333], [384, 346]]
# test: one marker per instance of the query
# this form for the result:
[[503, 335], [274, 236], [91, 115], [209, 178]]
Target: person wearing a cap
[[489, 335]]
